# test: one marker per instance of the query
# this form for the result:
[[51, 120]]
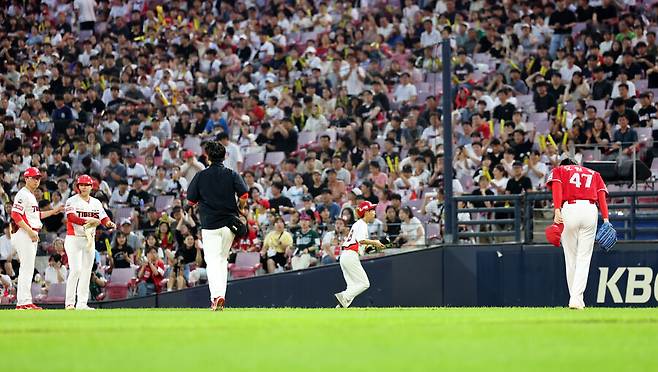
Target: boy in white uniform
[[352, 248], [83, 214]]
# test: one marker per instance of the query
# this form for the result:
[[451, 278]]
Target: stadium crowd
[[320, 104]]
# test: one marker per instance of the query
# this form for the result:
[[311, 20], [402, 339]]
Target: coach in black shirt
[[215, 189]]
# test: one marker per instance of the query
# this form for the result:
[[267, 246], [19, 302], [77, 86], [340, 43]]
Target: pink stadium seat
[[275, 158], [56, 293], [253, 160], [164, 202], [245, 266], [120, 283]]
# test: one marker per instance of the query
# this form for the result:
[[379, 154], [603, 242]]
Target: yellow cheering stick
[[542, 142], [559, 111], [174, 96], [485, 173], [164, 99], [103, 85], [565, 138], [108, 247], [390, 165], [564, 118], [160, 12], [491, 128], [543, 70], [550, 139], [502, 127], [196, 24], [397, 164]]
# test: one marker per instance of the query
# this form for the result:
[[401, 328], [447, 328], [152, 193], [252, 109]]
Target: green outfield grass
[[492, 339]]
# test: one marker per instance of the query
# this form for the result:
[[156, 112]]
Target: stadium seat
[[35, 289], [253, 160], [245, 266], [121, 281], [641, 86], [590, 155], [123, 212], [193, 143], [56, 293], [275, 158], [600, 106], [644, 135], [164, 202]]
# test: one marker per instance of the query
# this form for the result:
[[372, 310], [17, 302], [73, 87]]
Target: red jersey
[[155, 278], [578, 183]]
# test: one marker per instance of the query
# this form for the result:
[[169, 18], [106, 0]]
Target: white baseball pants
[[216, 246], [578, 242], [355, 276], [81, 260], [27, 252]]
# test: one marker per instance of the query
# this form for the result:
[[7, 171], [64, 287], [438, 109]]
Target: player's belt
[[353, 247], [574, 201]]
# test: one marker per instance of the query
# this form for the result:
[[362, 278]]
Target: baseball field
[[366, 339]]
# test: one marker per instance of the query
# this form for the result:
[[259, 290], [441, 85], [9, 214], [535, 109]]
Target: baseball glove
[[90, 234], [606, 236]]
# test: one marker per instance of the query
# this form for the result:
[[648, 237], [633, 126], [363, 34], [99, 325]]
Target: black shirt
[[515, 186], [281, 201], [563, 18], [522, 150], [478, 192], [647, 114], [601, 89], [542, 104], [215, 188], [504, 112]]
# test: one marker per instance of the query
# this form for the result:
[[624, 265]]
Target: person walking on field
[[577, 191], [352, 248], [215, 189], [83, 214], [26, 223]]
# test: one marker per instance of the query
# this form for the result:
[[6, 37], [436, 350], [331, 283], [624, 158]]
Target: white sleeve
[[19, 205], [69, 207], [360, 232]]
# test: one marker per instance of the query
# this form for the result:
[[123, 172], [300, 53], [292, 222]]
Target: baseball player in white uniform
[[352, 248], [83, 214], [26, 223]]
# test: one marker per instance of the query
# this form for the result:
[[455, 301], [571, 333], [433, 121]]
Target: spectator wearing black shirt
[[108, 143], [282, 137], [630, 67], [620, 109], [463, 70], [647, 112], [122, 253], [137, 196], [59, 168], [561, 21], [133, 135], [93, 105], [602, 87], [544, 101], [521, 146], [518, 183], [584, 12], [278, 201], [556, 88], [506, 109], [62, 115]]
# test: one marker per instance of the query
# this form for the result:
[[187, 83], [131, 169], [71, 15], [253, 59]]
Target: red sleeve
[[557, 196], [17, 217], [603, 204], [245, 196], [553, 176], [71, 217]]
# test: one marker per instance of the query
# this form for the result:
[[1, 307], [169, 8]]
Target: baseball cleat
[[32, 307], [217, 304], [20, 307], [341, 300], [84, 308], [69, 307]]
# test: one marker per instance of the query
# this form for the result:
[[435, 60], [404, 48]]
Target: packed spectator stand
[[320, 104]]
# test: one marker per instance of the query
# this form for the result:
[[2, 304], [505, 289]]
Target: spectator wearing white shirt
[[405, 93], [569, 68], [134, 169], [536, 170], [233, 159], [120, 195], [8, 254], [270, 91], [353, 77], [86, 14], [316, 122], [55, 272], [430, 35], [149, 143], [272, 112]]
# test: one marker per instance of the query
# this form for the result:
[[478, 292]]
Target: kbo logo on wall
[[641, 285]]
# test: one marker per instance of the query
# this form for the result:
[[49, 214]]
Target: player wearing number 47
[[577, 191]]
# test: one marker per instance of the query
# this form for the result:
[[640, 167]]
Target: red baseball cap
[[32, 172], [188, 154], [363, 207], [554, 233], [85, 180]]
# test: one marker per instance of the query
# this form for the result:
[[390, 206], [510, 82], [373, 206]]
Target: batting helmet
[[84, 180], [363, 207], [554, 233], [32, 172]]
